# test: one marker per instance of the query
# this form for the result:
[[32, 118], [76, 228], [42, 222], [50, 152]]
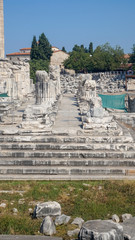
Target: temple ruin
[[58, 128]]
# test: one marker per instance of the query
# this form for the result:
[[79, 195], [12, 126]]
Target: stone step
[[67, 139], [10, 119], [66, 177], [97, 162], [66, 171], [68, 154], [28, 237], [67, 146], [35, 132]]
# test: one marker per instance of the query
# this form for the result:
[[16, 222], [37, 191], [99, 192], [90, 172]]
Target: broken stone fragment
[[3, 205], [47, 226], [129, 229], [115, 218], [73, 232], [78, 221], [47, 209], [15, 211], [101, 229], [62, 219], [126, 216]]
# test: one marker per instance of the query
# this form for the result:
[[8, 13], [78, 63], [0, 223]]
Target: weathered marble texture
[[15, 79]]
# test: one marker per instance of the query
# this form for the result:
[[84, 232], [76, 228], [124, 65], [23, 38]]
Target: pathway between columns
[[68, 118]]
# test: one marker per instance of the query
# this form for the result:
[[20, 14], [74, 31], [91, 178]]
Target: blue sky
[[69, 22]]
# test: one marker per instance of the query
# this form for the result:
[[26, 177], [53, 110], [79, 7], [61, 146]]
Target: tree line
[[103, 58], [81, 59]]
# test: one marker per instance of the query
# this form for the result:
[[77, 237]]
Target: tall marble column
[[2, 52]]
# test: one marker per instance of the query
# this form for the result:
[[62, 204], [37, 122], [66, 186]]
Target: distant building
[[57, 57], [128, 65], [24, 54], [127, 56], [25, 50], [55, 49]]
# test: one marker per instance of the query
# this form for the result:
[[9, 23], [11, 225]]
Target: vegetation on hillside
[[86, 199], [40, 55]]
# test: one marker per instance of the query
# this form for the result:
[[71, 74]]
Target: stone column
[[2, 52], [42, 87]]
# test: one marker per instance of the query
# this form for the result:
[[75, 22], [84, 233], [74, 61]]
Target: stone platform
[[27, 237], [66, 151]]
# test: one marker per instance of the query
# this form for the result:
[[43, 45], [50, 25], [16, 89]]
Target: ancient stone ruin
[[42, 114], [121, 228], [59, 127], [15, 79], [94, 116]]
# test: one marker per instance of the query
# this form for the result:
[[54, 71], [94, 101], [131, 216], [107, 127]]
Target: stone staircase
[[65, 156], [66, 151]]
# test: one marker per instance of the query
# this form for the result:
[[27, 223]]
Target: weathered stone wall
[[15, 79], [69, 83], [58, 57], [111, 82], [127, 118], [18, 57], [131, 84]]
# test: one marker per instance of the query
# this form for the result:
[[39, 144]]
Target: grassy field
[[86, 199]]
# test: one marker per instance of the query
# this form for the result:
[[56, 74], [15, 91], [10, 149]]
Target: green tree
[[40, 55], [132, 58], [79, 61], [76, 48], [34, 49], [98, 60], [91, 48], [80, 48], [106, 58], [36, 65], [63, 49], [44, 48]]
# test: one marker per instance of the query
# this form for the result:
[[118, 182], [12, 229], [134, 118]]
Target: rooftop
[[18, 54], [25, 49]]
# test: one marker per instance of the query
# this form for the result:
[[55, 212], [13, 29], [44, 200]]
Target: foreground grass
[[86, 199]]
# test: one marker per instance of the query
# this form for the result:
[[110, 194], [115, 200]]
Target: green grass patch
[[86, 199]]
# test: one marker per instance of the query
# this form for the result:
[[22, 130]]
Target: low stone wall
[[109, 82], [127, 118], [15, 79], [69, 83]]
